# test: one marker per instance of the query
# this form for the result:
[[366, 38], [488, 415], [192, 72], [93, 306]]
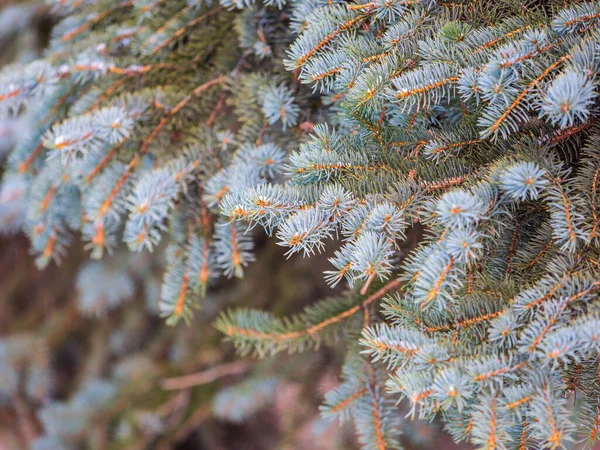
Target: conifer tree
[[454, 171]]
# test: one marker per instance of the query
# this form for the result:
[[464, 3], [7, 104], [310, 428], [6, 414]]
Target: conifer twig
[[206, 376]]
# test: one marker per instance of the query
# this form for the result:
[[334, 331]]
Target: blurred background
[[85, 361]]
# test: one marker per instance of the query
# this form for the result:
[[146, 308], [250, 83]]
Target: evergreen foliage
[[131, 143], [454, 175]]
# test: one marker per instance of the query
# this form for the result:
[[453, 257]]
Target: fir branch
[[285, 332], [95, 20], [498, 124]]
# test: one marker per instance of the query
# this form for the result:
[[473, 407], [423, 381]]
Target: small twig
[[390, 286], [207, 376], [174, 403], [178, 408], [217, 109], [199, 416], [365, 288]]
